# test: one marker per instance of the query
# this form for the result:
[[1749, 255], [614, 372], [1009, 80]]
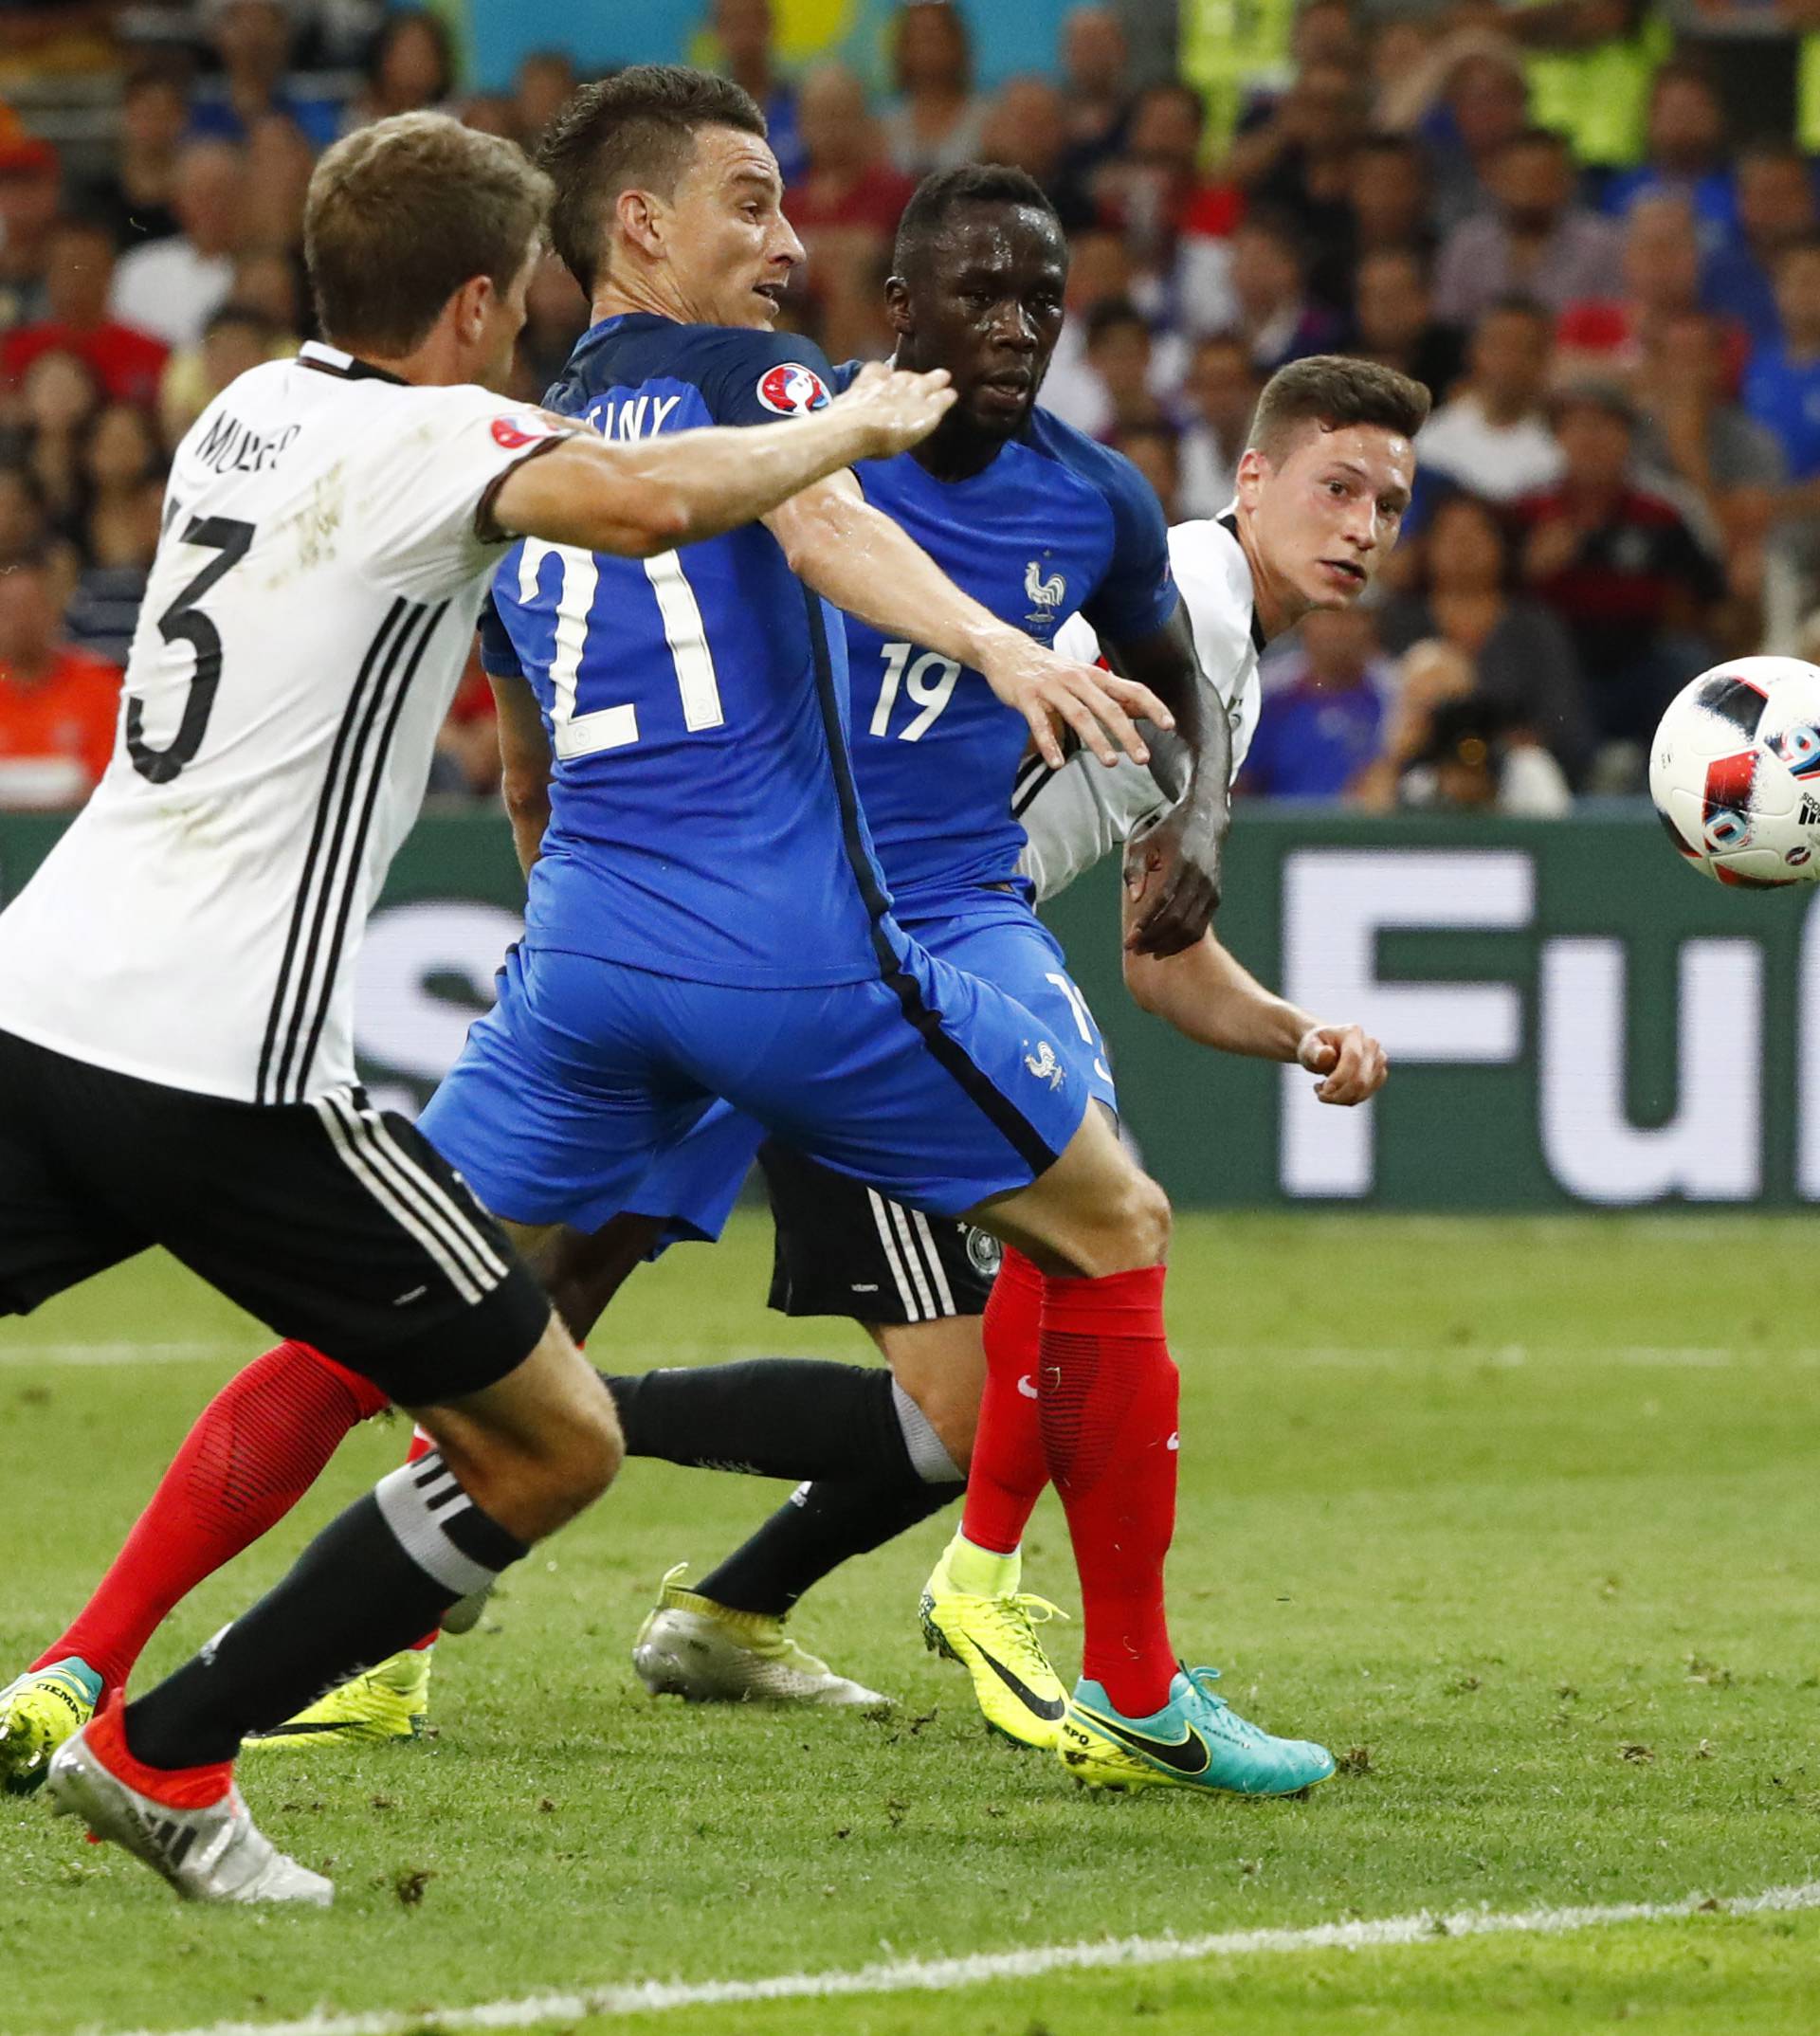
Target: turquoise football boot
[[1195, 1741]]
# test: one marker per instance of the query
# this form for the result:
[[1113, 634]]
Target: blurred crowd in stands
[[1589, 225]]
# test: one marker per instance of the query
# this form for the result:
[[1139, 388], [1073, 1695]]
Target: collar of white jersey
[[1228, 521], [328, 359]]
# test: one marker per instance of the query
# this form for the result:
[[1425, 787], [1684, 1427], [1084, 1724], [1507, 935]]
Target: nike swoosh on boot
[[1187, 1756], [1049, 1708]]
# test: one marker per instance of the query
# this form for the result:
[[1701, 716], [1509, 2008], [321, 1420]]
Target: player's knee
[[573, 1450], [544, 1487], [595, 1450]]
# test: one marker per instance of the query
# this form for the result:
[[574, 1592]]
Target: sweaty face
[[1327, 510], [728, 244], [984, 301]]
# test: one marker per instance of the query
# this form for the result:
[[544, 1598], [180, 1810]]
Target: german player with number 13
[[707, 917], [176, 1059]]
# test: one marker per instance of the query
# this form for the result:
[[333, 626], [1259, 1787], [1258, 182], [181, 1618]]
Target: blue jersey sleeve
[[1138, 595], [1136, 592], [754, 378], [499, 660]]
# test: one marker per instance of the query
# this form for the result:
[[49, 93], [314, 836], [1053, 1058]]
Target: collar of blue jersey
[[1229, 522], [574, 385], [349, 366]]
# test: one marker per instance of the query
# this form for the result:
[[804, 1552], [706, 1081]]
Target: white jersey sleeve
[[424, 514], [1074, 816]]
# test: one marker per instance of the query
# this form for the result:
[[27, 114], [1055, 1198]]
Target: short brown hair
[[400, 214], [638, 127], [1333, 393]]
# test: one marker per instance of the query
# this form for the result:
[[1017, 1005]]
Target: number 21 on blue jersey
[[585, 732]]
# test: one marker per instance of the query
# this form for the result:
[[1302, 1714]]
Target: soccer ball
[[1735, 772]]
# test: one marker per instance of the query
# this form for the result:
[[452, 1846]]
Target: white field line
[[940, 1975]]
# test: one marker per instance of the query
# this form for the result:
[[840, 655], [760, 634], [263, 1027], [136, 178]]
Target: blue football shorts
[[939, 1085], [692, 1187]]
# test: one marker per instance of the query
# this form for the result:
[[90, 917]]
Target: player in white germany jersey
[[1072, 817], [175, 1046]]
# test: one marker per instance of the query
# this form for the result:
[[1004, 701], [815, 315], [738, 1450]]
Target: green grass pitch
[[1518, 1516]]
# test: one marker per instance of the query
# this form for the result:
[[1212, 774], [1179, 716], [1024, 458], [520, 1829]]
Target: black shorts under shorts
[[332, 1222], [843, 1249]]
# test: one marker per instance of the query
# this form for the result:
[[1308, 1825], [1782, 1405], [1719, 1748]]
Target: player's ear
[[1255, 470], [897, 305], [636, 216], [471, 304]]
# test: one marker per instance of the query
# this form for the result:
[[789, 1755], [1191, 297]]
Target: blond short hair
[[402, 213]]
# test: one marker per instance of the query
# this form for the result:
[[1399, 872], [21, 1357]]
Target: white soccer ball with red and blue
[[1736, 773]]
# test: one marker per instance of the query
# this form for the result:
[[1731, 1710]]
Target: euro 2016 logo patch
[[790, 390], [523, 429]]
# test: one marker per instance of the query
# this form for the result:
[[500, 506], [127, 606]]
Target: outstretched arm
[[1172, 867], [858, 558], [638, 497], [1213, 999]]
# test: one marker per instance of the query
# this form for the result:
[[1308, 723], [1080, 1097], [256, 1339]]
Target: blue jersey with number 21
[[695, 702], [1056, 523]]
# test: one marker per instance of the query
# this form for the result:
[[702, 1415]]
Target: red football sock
[[259, 1446], [1108, 1413], [1007, 1472], [175, 1788]]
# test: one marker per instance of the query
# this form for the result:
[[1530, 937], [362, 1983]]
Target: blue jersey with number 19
[[702, 817], [1056, 524]]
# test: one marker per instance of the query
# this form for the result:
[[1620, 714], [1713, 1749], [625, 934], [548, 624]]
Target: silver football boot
[[217, 1854], [691, 1647]]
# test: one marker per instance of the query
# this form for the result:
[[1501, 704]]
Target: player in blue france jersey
[[708, 919], [1037, 522]]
